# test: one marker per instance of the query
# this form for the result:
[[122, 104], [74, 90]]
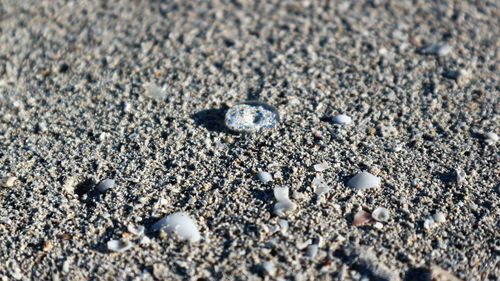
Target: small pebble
[[311, 251], [363, 180], [378, 225], [136, 230], [264, 177], [491, 138], [438, 49], [269, 268], [439, 217], [460, 175], [105, 185], [381, 214], [251, 117], [429, 223], [119, 246], [321, 167], [7, 181], [341, 119]]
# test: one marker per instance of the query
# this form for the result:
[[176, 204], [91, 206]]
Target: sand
[[136, 91]]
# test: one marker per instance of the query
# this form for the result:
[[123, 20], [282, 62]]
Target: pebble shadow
[[211, 119]]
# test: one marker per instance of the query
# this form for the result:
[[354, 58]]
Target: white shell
[[321, 167], [281, 193], [136, 230], [439, 217], [181, 225], [105, 185], [118, 245], [381, 214], [342, 119], [363, 180], [320, 186], [284, 203], [282, 206], [7, 181], [264, 177], [429, 223]]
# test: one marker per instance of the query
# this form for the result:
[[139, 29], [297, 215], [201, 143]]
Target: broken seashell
[[381, 214], [119, 246], [138, 231], [320, 167], [361, 217], [284, 203], [181, 225]]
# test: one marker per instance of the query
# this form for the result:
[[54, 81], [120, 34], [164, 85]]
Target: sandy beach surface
[[135, 92]]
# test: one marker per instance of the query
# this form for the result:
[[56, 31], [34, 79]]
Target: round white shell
[[342, 119], [439, 217], [363, 180], [181, 225], [381, 214]]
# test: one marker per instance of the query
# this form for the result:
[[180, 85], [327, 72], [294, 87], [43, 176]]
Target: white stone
[[381, 214], [342, 119], [363, 180], [438, 49], [179, 224], [264, 177], [105, 185], [119, 246], [378, 225]]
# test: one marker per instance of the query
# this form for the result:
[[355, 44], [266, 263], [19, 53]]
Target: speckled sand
[[136, 91]]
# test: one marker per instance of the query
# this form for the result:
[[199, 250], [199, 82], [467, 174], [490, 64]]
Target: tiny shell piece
[[342, 119], [320, 186], [105, 185], [381, 214], [119, 246], [136, 230], [460, 175], [439, 217], [281, 193], [363, 180], [181, 225], [269, 268], [361, 217], [321, 167], [264, 177]]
